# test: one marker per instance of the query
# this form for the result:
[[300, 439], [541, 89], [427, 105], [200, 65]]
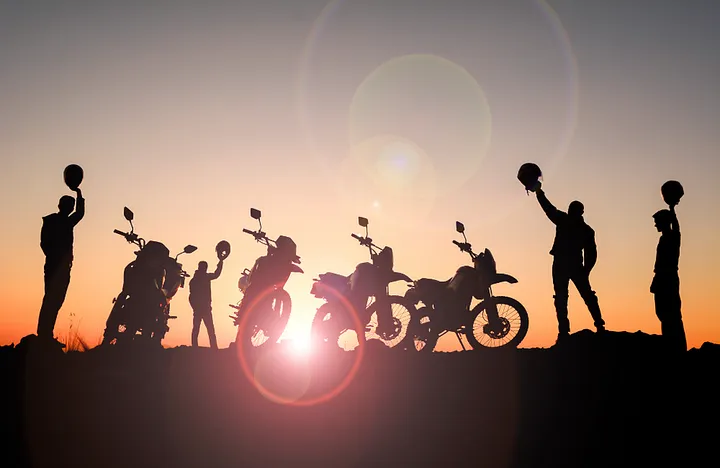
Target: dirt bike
[[354, 302], [497, 321], [149, 284], [264, 299]]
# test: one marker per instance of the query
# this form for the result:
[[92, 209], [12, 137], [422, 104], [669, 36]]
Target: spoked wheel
[[402, 311], [267, 320], [507, 333], [420, 336], [330, 321]]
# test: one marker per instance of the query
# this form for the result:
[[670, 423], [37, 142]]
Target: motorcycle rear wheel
[[332, 320]]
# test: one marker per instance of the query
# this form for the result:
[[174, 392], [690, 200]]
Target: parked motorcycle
[[361, 301], [264, 297], [497, 321], [149, 283]]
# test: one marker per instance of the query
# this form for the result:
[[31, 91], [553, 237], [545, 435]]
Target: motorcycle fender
[[504, 278], [396, 276]]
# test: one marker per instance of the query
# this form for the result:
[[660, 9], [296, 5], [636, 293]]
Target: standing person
[[201, 301], [56, 241], [575, 253], [666, 281]]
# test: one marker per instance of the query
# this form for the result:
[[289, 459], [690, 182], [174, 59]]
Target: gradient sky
[[414, 114]]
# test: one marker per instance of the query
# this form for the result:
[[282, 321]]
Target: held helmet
[[73, 176], [529, 175], [672, 191], [222, 249]]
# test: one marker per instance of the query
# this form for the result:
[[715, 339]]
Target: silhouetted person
[[201, 301], [666, 282], [56, 241], [575, 253]]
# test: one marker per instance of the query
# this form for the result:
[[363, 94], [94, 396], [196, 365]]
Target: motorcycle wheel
[[266, 326], [514, 324], [402, 313], [420, 336], [328, 324]]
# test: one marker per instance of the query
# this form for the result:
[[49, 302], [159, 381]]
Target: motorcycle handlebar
[[248, 231], [464, 247], [365, 241]]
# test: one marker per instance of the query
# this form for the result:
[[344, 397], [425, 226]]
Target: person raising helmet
[[574, 254]]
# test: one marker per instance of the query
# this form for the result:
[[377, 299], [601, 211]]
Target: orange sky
[[192, 117]]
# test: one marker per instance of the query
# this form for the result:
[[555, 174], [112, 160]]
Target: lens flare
[[391, 175], [433, 102], [318, 42], [306, 380]]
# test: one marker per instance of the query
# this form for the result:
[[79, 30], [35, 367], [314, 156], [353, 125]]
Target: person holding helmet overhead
[[201, 301], [574, 254], [56, 242], [665, 285]]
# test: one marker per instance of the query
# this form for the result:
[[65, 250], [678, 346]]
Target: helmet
[[672, 191], [73, 176], [385, 259], [286, 247], [154, 250], [529, 175], [222, 249]]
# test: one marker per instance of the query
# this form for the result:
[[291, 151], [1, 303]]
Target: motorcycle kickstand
[[460, 340]]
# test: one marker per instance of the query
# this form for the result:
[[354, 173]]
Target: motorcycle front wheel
[[421, 336], [508, 332], [402, 312], [327, 325], [266, 321]]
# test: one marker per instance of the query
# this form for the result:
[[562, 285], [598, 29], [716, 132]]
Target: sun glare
[[299, 347]]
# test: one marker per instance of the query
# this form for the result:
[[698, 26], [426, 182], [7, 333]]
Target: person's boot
[[562, 338]]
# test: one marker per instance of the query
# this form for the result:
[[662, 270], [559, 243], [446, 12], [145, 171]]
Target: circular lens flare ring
[[309, 50], [299, 401]]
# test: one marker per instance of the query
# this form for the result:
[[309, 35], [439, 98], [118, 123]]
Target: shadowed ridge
[[610, 400]]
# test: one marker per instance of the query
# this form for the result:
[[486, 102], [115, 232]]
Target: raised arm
[[674, 223], [552, 213], [590, 251], [217, 271], [79, 208]]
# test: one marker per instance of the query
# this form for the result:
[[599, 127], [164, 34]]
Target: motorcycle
[[497, 321], [361, 302], [264, 297], [149, 284]]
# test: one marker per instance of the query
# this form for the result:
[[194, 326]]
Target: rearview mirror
[[459, 227], [189, 249], [128, 213], [363, 222], [255, 213]]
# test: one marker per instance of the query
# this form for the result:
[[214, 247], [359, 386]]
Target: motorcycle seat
[[437, 283]]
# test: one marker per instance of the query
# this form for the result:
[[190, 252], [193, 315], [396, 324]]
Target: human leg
[[581, 280], [561, 281]]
